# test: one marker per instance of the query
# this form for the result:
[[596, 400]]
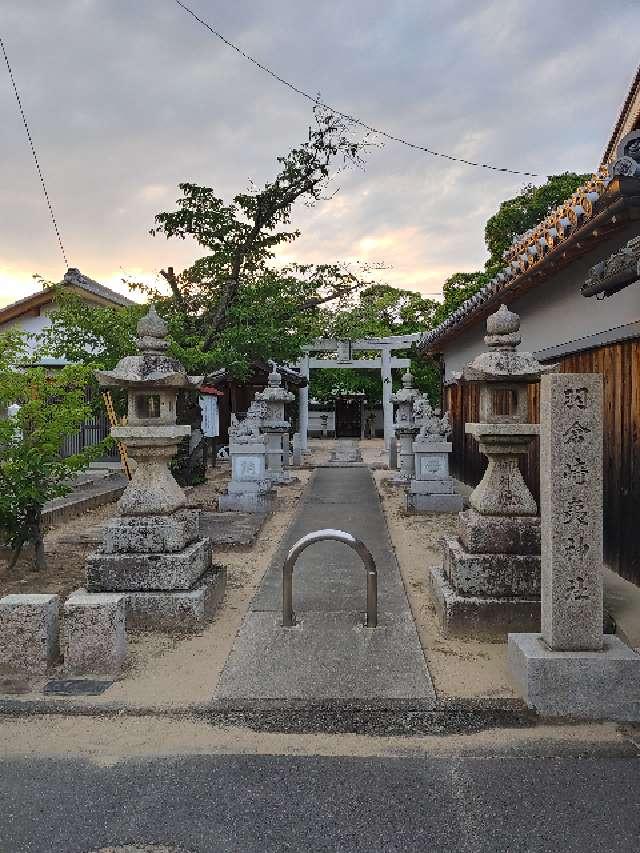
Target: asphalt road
[[204, 804]]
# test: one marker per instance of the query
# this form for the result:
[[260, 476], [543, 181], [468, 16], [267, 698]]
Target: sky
[[127, 99]]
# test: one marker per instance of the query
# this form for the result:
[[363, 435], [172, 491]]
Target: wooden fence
[[620, 366]]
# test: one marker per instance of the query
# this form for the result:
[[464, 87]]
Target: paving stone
[[329, 653]]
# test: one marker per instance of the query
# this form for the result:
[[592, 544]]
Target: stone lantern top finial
[[503, 329], [275, 380], [407, 379], [504, 361], [152, 332]]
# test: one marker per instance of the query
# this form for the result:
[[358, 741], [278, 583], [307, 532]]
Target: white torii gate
[[384, 362]]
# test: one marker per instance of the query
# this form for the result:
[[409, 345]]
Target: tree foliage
[[377, 311], [32, 471], [241, 236]]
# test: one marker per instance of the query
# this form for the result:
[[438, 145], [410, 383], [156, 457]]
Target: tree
[[52, 406], [241, 236]]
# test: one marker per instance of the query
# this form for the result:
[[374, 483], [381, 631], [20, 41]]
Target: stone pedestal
[[249, 490], [432, 489], [571, 668]]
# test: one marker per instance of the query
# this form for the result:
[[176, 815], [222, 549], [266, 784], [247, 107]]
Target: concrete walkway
[[329, 654]]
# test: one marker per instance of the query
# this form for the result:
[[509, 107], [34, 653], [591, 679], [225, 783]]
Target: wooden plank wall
[[620, 366]]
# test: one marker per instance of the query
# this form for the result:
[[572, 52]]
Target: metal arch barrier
[[288, 617]]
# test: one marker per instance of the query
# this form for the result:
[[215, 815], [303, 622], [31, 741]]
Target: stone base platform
[[418, 501], [248, 502], [128, 572], [181, 610], [593, 685], [472, 617], [490, 575]]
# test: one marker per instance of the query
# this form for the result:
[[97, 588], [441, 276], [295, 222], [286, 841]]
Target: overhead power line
[[35, 156], [315, 100]]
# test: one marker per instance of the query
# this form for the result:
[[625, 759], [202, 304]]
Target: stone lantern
[[405, 427], [276, 428], [152, 548], [503, 433], [490, 581]]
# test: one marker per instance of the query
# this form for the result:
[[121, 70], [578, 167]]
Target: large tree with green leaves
[[42, 407], [236, 283]]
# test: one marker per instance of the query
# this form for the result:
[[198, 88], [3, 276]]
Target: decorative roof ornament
[[627, 162], [616, 272]]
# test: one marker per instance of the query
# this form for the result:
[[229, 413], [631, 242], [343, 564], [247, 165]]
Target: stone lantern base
[[489, 582], [162, 566]]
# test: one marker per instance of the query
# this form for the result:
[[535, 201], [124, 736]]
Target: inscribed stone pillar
[[387, 390], [571, 510]]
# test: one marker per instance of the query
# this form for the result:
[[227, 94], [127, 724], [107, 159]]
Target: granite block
[[29, 633], [186, 610], [95, 639], [596, 685], [480, 618], [130, 572], [495, 534], [151, 534], [434, 503], [492, 575]]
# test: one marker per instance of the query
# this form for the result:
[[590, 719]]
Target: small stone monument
[[431, 489], [571, 668], [406, 428], [296, 447], [152, 550], [249, 489], [490, 581], [276, 428]]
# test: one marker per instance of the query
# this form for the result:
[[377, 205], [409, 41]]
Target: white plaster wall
[[33, 326], [555, 312]]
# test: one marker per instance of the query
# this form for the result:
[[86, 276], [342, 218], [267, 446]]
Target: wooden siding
[[620, 366]]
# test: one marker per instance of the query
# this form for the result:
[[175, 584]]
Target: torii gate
[[384, 362]]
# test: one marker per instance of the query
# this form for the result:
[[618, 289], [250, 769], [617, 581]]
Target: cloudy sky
[[126, 98]]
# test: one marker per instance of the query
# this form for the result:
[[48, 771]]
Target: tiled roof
[[75, 278], [530, 249], [628, 118]]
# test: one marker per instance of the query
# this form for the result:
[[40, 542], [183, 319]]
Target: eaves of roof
[[596, 210]]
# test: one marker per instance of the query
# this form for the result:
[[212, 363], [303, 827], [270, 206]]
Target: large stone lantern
[[405, 427], [276, 427], [503, 433], [489, 584], [152, 548]]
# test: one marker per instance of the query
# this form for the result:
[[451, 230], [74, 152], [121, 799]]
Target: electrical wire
[[316, 100], [35, 156]]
